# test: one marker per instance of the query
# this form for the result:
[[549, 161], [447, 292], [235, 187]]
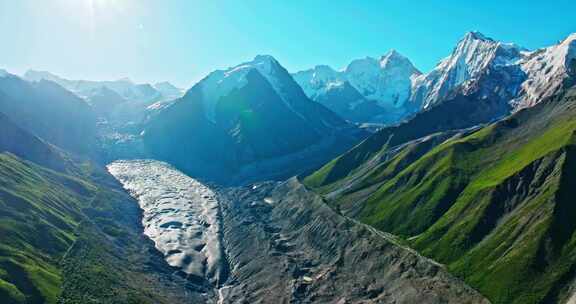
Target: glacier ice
[[180, 215]]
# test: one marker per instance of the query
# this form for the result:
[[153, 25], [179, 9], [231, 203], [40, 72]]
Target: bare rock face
[[285, 245]]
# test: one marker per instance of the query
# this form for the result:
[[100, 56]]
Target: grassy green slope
[[495, 206], [40, 210], [510, 232], [457, 112]]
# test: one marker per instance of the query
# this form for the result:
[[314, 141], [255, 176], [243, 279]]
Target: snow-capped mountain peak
[[221, 82], [385, 80], [473, 54], [394, 58], [565, 52], [476, 35]]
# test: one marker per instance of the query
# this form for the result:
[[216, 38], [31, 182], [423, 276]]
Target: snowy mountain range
[[144, 93], [530, 75], [400, 90]]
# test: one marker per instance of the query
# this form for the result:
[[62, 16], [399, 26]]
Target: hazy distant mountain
[[21, 143], [143, 93], [168, 90], [104, 100], [50, 112], [240, 118]]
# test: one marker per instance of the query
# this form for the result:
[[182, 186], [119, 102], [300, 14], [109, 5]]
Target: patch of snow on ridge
[[179, 214]]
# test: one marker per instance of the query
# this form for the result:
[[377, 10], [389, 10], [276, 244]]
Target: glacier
[[180, 214]]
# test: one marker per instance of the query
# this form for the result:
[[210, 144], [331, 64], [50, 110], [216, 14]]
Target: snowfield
[[180, 215]]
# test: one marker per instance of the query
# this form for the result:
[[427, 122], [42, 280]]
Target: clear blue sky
[[182, 40]]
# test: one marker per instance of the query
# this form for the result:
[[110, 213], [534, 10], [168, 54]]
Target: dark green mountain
[[494, 204]]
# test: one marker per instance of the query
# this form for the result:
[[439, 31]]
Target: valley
[[376, 183], [277, 242]]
